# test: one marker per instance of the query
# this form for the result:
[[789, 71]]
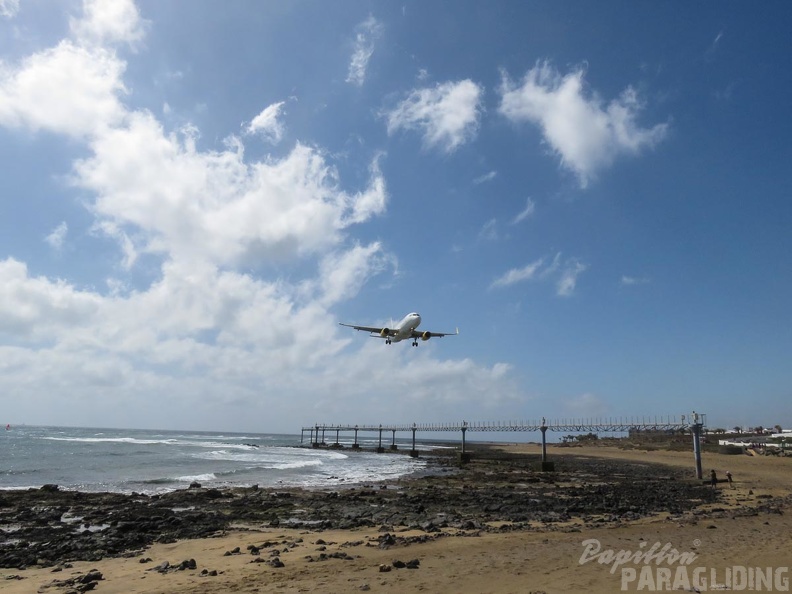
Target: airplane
[[402, 331]]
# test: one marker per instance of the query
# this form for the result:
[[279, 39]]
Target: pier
[[693, 423]]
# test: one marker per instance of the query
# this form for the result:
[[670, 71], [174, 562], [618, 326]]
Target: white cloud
[[35, 308], [447, 115], [267, 123], [713, 48], [342, 274], [566, 284], [9, 8], [489, 232], [486, 177], [367, 33], [236, 329], [530, 207], [586, 134], [58, 236], [565, 275], [517, 275], [634, 280], [67, 89], [109, 21], [215, 205]]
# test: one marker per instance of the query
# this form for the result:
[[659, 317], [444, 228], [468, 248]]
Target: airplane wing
[[426, 335], [373, 330]]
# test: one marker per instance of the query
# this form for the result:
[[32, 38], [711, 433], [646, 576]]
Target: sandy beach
[[721, 544]]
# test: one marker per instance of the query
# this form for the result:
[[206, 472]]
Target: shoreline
[[495, 506]]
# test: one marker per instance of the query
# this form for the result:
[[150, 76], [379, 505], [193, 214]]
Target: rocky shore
[[495, 492]]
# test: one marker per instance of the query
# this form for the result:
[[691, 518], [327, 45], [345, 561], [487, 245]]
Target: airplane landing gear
[[415, 342]]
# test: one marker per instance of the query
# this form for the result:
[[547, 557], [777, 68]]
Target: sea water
[[145, 461]]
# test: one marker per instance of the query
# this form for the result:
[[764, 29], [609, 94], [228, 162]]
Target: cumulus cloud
[[58, 236], [109, 21], [267, 123], [563, 273], [587, 134], [68, 89], [246, 258], [342, 274], [447, 115], [367, 33], [26, 302], [215, 205]]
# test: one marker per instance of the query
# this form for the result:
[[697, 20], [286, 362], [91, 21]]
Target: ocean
[[131, 460]]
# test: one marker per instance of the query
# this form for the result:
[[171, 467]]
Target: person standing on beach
[[713, 479], [729, 478]]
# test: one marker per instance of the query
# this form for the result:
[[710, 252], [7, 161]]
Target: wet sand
[[747, 526]]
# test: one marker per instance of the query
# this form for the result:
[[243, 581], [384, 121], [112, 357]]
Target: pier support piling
[[413, 451], [380, 449], [546, 466], [464, 455], [697, 426]]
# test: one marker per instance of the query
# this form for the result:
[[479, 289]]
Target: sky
[[194, 195]]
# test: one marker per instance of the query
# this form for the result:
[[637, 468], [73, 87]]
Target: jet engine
[[385, 332], [426, 335]]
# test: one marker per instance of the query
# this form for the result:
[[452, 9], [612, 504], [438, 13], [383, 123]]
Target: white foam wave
[[230, 452], [196, 477], [136, 441], [112, 440], [291, 465]]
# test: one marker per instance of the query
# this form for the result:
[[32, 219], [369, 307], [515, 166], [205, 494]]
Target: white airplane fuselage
[[403, 330]]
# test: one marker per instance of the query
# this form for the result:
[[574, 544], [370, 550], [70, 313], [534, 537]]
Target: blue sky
[[194, 196]]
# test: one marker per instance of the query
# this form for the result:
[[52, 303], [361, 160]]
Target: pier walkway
[[693, 423]]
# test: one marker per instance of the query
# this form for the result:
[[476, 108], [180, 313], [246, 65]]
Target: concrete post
[[380, 449], [697, 444], [543, 429], [464, 456], [413, 451], [546, 466]]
